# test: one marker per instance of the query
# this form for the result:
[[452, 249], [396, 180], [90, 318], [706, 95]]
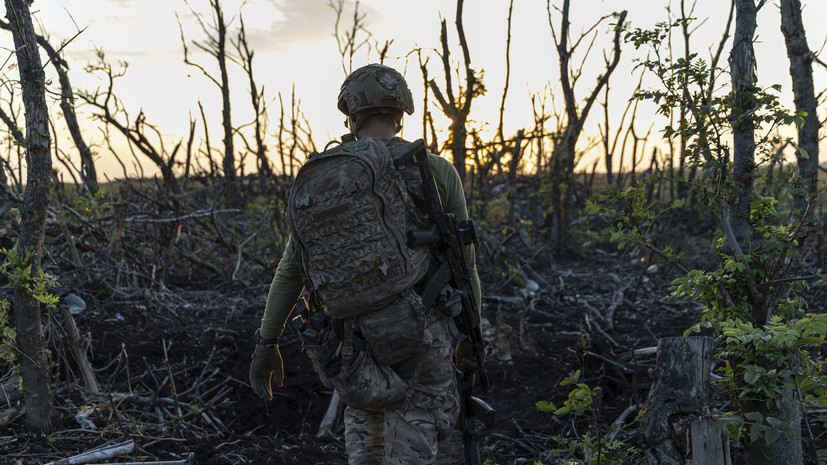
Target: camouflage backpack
[[349, 213]]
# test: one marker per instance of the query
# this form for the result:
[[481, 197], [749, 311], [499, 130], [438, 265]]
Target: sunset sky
[[294, 46]]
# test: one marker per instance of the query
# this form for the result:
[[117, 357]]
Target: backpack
[[349, 213]]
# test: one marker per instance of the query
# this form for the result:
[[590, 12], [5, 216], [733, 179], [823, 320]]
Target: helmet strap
[[354, 124]]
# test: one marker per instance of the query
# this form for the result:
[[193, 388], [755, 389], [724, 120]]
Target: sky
[[294, 46]]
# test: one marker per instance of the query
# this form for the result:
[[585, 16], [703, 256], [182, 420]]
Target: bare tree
[[545, 112], [207, 147], [427, 117], [34, 363], [112, 112], [457, 108], [215, 45], [516, 150], [349, 41], [801, 71], [507, 70], [356, 37], [294, 136], [610, 144], [257, 101], [88, 173], [563, 156]]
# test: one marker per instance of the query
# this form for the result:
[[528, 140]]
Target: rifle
[[447, 237]]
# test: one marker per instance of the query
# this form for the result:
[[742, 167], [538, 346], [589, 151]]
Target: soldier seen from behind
[[378, 323]]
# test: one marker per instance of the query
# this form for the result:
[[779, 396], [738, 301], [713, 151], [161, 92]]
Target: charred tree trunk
[[34, 364], [67, 105], [233, 193], [782, 451], [563, 156], [226, 119], [216, 46], [801, 71], [678, 406], [742, 68], [257, 101]]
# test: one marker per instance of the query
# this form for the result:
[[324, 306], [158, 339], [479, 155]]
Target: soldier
[[403, 338]]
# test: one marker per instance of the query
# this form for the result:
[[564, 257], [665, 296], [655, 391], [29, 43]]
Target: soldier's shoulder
[[441, 166]]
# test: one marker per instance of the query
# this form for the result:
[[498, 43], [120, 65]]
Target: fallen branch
[[621, 420], [634, 354], [238, 261], [10, 391], [504, 299], [600, 330], [78, 351], [101, 453], [198, 214]]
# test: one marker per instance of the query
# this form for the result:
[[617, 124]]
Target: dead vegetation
[[160, 294]]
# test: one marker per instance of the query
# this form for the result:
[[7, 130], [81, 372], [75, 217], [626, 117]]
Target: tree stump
[[679, 426]]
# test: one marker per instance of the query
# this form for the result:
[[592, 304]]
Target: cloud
[[303, 23]]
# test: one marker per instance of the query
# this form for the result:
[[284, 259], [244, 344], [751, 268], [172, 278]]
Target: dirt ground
[[174, 363], [171, 360]]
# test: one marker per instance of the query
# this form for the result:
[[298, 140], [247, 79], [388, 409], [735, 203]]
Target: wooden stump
[[75, 341], [679, 427]]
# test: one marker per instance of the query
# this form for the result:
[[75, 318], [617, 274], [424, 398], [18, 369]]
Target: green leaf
[[755, 431], [678, 203], [772, 435], [754, 417], [545, 406], [562, 411]]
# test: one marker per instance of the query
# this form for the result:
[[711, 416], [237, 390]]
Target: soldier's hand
[[464, 358], [266, 366]]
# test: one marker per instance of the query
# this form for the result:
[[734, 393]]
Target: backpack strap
[[420, 313], [347, 343]]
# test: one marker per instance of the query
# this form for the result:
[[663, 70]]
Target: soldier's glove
[[266, 366], [464, 358]]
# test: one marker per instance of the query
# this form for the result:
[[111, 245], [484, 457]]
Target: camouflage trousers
[[407, 433]]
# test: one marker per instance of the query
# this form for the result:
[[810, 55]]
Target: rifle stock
[[447, 237]]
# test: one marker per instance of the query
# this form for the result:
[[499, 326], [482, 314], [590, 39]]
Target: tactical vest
[[349, 213]]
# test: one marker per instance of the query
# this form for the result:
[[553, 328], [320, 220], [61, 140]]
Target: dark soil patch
[[171, 311], [193, 345]]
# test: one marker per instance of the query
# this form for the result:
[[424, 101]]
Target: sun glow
[[295, 51]]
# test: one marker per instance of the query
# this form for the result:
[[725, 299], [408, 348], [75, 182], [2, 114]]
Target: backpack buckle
[[347, 352]]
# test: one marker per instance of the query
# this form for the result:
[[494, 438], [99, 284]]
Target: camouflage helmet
[[375, 86]]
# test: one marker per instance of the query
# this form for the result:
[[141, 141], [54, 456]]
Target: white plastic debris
[[75, 304]]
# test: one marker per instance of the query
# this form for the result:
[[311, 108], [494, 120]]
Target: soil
[[201, 336], [171, 354]]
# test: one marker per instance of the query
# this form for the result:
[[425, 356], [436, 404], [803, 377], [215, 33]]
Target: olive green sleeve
[[284, 292], [452, 196]]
